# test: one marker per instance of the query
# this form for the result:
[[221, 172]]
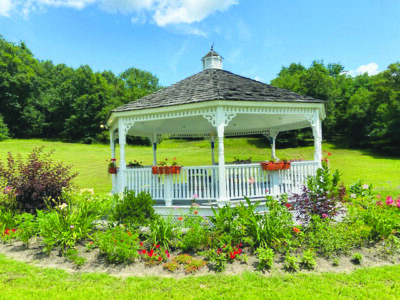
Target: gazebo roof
[[211, 85]]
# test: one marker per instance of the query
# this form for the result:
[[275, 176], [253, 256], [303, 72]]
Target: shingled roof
[[215, 84]]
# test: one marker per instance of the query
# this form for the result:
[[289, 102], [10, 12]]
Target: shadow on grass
[[373, 152]]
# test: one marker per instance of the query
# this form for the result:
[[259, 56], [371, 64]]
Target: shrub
[[227, 222], [320, 196], [118, 245], [133, 209], [36, 179], [265, 258], [222, 253]]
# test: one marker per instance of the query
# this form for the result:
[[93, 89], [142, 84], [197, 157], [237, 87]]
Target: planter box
[[112, 170], [166, 169], [274, 166]]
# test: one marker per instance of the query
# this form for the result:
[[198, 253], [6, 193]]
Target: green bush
[[308, 260], [265, 258], [291, 263], [27, 227], [196, 235], [163, 231], [133, 209]]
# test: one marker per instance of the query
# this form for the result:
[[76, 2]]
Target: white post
[[122, 163], [212, 150], [272, 139], [114, 176], [154, 142], [317, 133], [220, 124]]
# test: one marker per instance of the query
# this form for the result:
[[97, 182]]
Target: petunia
[[389, 200]]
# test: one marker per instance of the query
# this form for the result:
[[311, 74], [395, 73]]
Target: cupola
[[212, 60]]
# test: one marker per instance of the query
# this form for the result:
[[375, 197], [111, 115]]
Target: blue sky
[[169, 37]]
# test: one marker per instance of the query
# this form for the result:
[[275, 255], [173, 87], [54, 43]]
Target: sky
[[256, 38]]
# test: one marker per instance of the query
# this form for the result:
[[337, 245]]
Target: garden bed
[[372, 257]]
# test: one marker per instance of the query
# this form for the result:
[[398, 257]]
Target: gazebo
[[214, 104]]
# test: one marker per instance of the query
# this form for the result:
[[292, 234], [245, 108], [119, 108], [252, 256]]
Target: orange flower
[[180, 218], [296, 230]]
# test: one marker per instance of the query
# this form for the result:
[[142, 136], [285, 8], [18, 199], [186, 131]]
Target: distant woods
[[362, 110], [41, 100]]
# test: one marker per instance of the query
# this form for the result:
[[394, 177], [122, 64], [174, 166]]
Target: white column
[[220, 124], [114, 176], [272, 139], [154, 142], [212, 150], [122, 163], [317, 133]]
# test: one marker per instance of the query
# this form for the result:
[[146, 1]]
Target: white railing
[[202, 182], [196, 182]]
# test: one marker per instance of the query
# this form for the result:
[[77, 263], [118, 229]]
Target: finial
[[212, 47]]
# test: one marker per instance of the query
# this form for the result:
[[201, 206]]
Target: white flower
[[365, 186], [62, 206], [353, 196]]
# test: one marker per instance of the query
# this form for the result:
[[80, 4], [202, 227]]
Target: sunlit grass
[[22, 281]]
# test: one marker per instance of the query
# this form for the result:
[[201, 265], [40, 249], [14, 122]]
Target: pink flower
[[379, 203], [251, 180], [389, 200], [365, 186], [398, 203], [195, 196], [378, 196], [324, 216], [72, 226], [7, 189]]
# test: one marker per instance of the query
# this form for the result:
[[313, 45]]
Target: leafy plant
[[273, 229], [196, 235], [35, 179], [118, 245], [291, 263], [335, 262], [133, 209], [162, 231], [27, 227], [222, 254], [308, 260], [72, 255], [64, 225], [357, 258], [265, 258]]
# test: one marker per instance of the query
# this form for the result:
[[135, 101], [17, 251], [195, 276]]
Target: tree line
[[39, 99]]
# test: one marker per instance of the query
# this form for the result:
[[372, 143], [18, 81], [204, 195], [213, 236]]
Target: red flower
[[144, 251], [157, 246], [13, 230], [195, 212], [296, 230], [329, 153], [180, 218], [141, 243], [232, 255], [151, 253], [288, 205], [159, 258]]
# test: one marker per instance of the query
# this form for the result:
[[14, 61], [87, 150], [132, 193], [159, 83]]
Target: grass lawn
[[90, 161], [22, 281]]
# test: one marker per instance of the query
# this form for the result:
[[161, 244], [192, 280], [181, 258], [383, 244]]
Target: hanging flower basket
[[273, 166], [166, 169], [112, 170], [286, 165]]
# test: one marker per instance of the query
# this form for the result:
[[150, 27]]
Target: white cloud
[[162, 12], [370, 69], [187, 11], [258, 79], [5, 7]]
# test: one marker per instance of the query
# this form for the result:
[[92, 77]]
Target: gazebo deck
[[200, 183]]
